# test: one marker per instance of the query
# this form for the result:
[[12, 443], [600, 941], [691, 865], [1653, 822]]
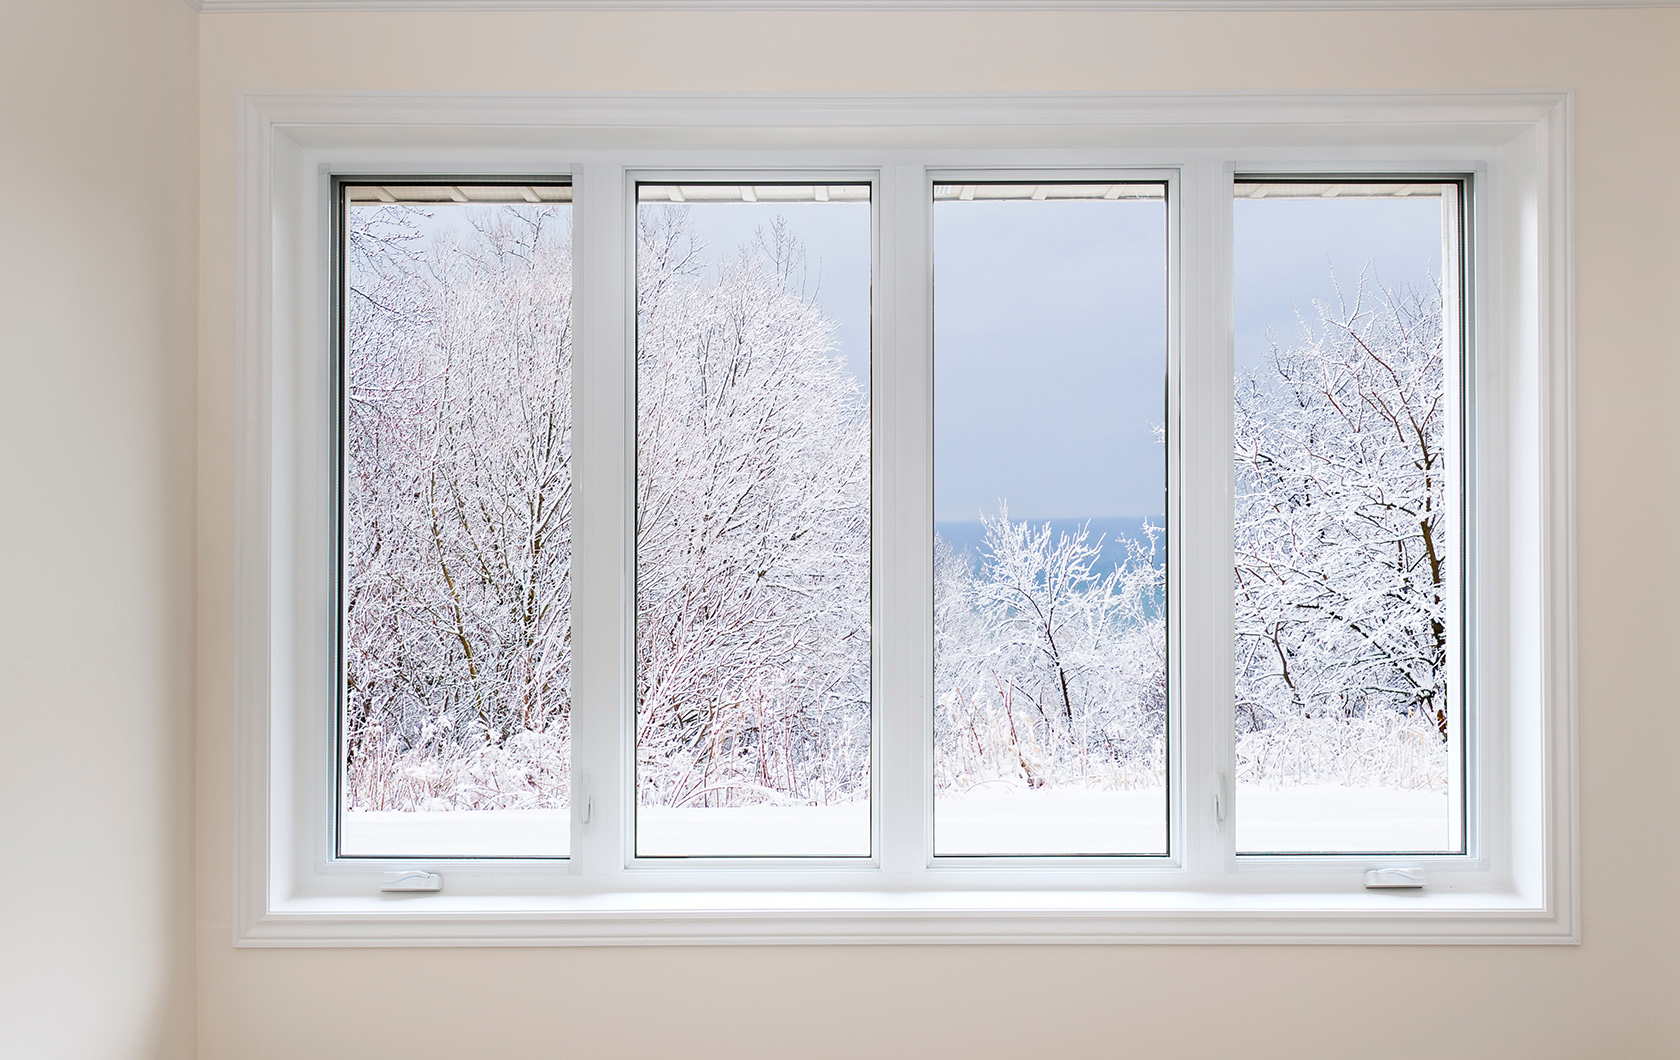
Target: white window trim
[[1519, 885]]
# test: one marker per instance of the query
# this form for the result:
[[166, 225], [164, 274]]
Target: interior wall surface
[[1617, 994], [98, 322]]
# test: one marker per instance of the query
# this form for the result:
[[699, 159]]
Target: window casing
[[1517, 882]]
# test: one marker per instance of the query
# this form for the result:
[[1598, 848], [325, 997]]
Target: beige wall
[[98, 320], [103, 380], [1615, 996]]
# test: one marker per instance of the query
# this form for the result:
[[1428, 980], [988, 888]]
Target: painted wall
[[1616, 995], [98, 333]]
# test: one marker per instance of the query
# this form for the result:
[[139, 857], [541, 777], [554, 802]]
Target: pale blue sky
[[1050, 325], [1286, 250], [1049, 358], [836, 239]]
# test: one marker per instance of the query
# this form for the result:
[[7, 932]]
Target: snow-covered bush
[[1048, 671], [752, 577], [753, 551], [457, 522], [1344, 549]]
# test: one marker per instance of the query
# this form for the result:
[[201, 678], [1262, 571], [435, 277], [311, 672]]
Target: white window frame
[[1519, 883]]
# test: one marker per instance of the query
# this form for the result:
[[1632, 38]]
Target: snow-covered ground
[[988, 820], [840, 830], [768, 831], [457, 833], [1012, 820], [1323, 817]]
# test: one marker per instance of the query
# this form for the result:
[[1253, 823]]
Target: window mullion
[[602, 473], [903, 484], [1203, 536]]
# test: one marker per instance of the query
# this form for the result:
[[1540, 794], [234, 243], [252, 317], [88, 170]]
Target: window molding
[[289, 892]]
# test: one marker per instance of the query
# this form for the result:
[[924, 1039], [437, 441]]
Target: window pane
[[1050, 663], [457, 521], [1347, 549], [753, 522]]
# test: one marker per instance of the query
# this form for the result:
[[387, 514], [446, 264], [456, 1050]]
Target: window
[[1050, 502], [1347, 444], [681, 536], [753, 691], [455, 449]]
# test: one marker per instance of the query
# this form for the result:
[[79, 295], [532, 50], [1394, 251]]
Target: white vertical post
[[902, 385], [1203, 532], [602, 521]]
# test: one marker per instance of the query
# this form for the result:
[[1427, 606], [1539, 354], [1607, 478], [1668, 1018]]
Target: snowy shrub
[[457, 523], [752, 544], [752, 602], [1048, 671], [1343, 549]]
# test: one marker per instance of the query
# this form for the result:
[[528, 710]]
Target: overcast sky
[[1286, 250], [1049, 358], [1050, 326], [836, 239]]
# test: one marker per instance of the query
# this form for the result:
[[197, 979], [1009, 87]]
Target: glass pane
[[752, 539], [457, 521], [1050, 662], [1347, 545]]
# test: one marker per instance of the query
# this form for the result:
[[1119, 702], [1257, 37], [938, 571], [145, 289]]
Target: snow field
[[1330, 819], [456, 833], [987, 820]]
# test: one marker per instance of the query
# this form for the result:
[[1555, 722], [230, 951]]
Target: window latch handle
[[1396, 879], [411, 880]]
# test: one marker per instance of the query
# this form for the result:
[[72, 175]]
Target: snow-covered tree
[[1344, 548], [752, 543], [753, 546], [1046, 669], [457, 529]]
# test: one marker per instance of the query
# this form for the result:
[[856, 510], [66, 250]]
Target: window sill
[[803, 917]]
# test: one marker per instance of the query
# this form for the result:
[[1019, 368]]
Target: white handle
[[411, 880]]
